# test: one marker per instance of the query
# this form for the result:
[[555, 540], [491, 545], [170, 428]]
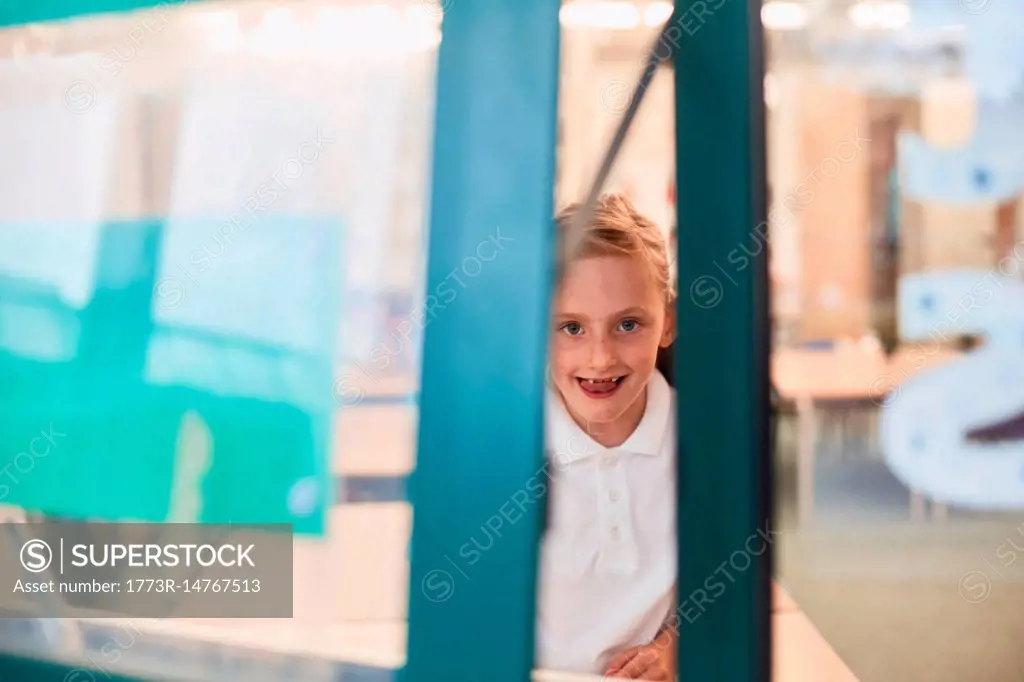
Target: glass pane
[[211, 275], [896, 285]]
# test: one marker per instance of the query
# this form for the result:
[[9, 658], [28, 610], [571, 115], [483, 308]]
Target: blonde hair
[[617, 229]]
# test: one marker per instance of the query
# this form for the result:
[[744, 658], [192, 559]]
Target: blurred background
[[247, 185]]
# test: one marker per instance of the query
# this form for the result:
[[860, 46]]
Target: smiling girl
[[608, 559]]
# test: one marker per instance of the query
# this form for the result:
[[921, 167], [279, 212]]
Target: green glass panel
[[14, 12], [186, 424]]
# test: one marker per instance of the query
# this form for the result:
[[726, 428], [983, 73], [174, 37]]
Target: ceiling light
[[222, 28], [278, 31], [607, 15], [872, 14], [783, 16], [657, 13]]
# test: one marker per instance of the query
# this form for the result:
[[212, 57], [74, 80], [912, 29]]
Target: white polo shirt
[[608, 559]]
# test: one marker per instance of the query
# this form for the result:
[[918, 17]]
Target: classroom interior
[[878, 577]]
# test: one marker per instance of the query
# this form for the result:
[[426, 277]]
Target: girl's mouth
[[600, 388]]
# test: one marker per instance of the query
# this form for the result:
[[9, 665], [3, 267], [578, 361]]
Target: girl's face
[[610, 318]]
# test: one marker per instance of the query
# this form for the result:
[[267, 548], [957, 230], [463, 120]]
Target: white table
[[808, 377]]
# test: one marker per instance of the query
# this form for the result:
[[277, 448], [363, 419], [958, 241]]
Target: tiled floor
[[931, 601]]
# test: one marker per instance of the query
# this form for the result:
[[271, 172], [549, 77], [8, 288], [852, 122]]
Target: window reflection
[[214, 219], [899, 459]]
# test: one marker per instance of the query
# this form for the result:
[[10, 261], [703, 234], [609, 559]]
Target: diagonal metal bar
[[569, 245]]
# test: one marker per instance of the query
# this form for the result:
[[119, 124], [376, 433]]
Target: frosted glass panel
[[213, 217], [55, 168]]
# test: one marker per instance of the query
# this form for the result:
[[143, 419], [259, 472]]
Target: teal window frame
[[25, 669], [722, 354], [481, 419], [480, 439]]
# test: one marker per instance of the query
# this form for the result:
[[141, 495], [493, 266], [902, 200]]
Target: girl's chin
[[601, 410]]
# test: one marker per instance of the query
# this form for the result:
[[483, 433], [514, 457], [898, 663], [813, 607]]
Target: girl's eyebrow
[[632, 310]]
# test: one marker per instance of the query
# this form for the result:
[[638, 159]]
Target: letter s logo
[[956, 432]]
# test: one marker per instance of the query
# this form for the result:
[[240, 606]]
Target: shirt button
[[609, 461], [614, 495], [615, 533]]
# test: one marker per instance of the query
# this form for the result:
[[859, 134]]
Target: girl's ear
[[668, 334]]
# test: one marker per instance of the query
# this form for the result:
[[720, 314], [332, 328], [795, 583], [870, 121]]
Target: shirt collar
[[569, 443]]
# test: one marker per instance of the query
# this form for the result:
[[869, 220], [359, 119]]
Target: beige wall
[[833, 231], [599, 72], [835, 255], [782, 88]]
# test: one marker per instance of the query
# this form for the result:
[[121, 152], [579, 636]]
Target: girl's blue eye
[[572, 328], [629, 326]]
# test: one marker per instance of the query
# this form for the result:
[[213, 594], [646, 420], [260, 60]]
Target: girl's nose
[[602, 355]]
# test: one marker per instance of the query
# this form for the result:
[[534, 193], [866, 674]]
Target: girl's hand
[[648, 662]]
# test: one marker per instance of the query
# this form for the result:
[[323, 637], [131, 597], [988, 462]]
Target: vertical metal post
[[722, 354], [479, 472]]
